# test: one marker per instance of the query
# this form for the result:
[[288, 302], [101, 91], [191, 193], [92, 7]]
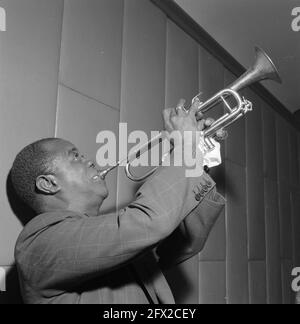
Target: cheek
[[74, 176]]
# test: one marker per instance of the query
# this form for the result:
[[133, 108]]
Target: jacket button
[[205, 188], [209, 184], [198, 197], [203, 192]]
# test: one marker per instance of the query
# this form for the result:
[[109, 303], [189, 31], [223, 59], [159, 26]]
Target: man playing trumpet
[[71, 253]]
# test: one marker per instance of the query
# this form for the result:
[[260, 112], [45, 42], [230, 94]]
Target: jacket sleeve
[[78, 248], [191, 235]]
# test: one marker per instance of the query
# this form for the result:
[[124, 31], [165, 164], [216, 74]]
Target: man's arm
[[79, 248], [191, 235]]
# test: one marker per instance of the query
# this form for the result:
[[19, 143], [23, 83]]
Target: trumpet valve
[[247, 105], [208, 145]]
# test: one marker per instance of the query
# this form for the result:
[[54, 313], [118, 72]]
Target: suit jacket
[[67, 257]]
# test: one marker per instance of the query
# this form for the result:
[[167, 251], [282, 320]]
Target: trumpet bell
[[262, 69]]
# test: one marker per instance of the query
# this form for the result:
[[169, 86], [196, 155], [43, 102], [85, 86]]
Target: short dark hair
[[34, 160]]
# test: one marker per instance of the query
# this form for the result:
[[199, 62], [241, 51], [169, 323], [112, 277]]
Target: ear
[[47, 184]]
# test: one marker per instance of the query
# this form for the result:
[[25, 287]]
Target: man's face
[[77, 176]]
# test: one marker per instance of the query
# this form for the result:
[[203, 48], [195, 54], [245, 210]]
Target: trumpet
[[262, 69]]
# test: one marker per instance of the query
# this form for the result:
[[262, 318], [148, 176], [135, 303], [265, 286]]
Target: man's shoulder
[[50, 218], [44, 221]]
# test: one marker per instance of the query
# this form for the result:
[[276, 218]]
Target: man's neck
[[76, 205], [91, 210]]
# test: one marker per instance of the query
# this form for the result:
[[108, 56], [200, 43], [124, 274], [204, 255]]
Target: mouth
[[96, 178], [94, 173]]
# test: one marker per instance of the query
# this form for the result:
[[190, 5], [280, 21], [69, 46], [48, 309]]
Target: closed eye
[[74, 154]]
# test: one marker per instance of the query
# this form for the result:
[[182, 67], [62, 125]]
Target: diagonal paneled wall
[[75, 67]]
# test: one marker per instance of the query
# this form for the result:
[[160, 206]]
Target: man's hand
[[203, 124], [185, 129], [179, 119]]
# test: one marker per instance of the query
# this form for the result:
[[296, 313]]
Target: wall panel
[[287, 293], [79, 120], [235, 150], [181, 66], [236, 218], [255, 181], [211, 76], [269, 142], [293, 158], [143, 75], [254, 134], [298, 142], [92, 48], [295, 212], [257, 282], [272, 243], [285, 220], [255, 217], [29, 62], [283, 156], [212, 283]]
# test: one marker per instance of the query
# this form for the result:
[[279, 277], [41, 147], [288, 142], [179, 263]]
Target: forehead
[[59, 147]]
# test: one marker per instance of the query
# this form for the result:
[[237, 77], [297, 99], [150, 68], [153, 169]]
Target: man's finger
[[180, 104], [173, 112], [199, 115], [180, 110], [194, 107], [167, 114], [201, 125]]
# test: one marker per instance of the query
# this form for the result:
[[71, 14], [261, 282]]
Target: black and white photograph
[[150, 154]]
